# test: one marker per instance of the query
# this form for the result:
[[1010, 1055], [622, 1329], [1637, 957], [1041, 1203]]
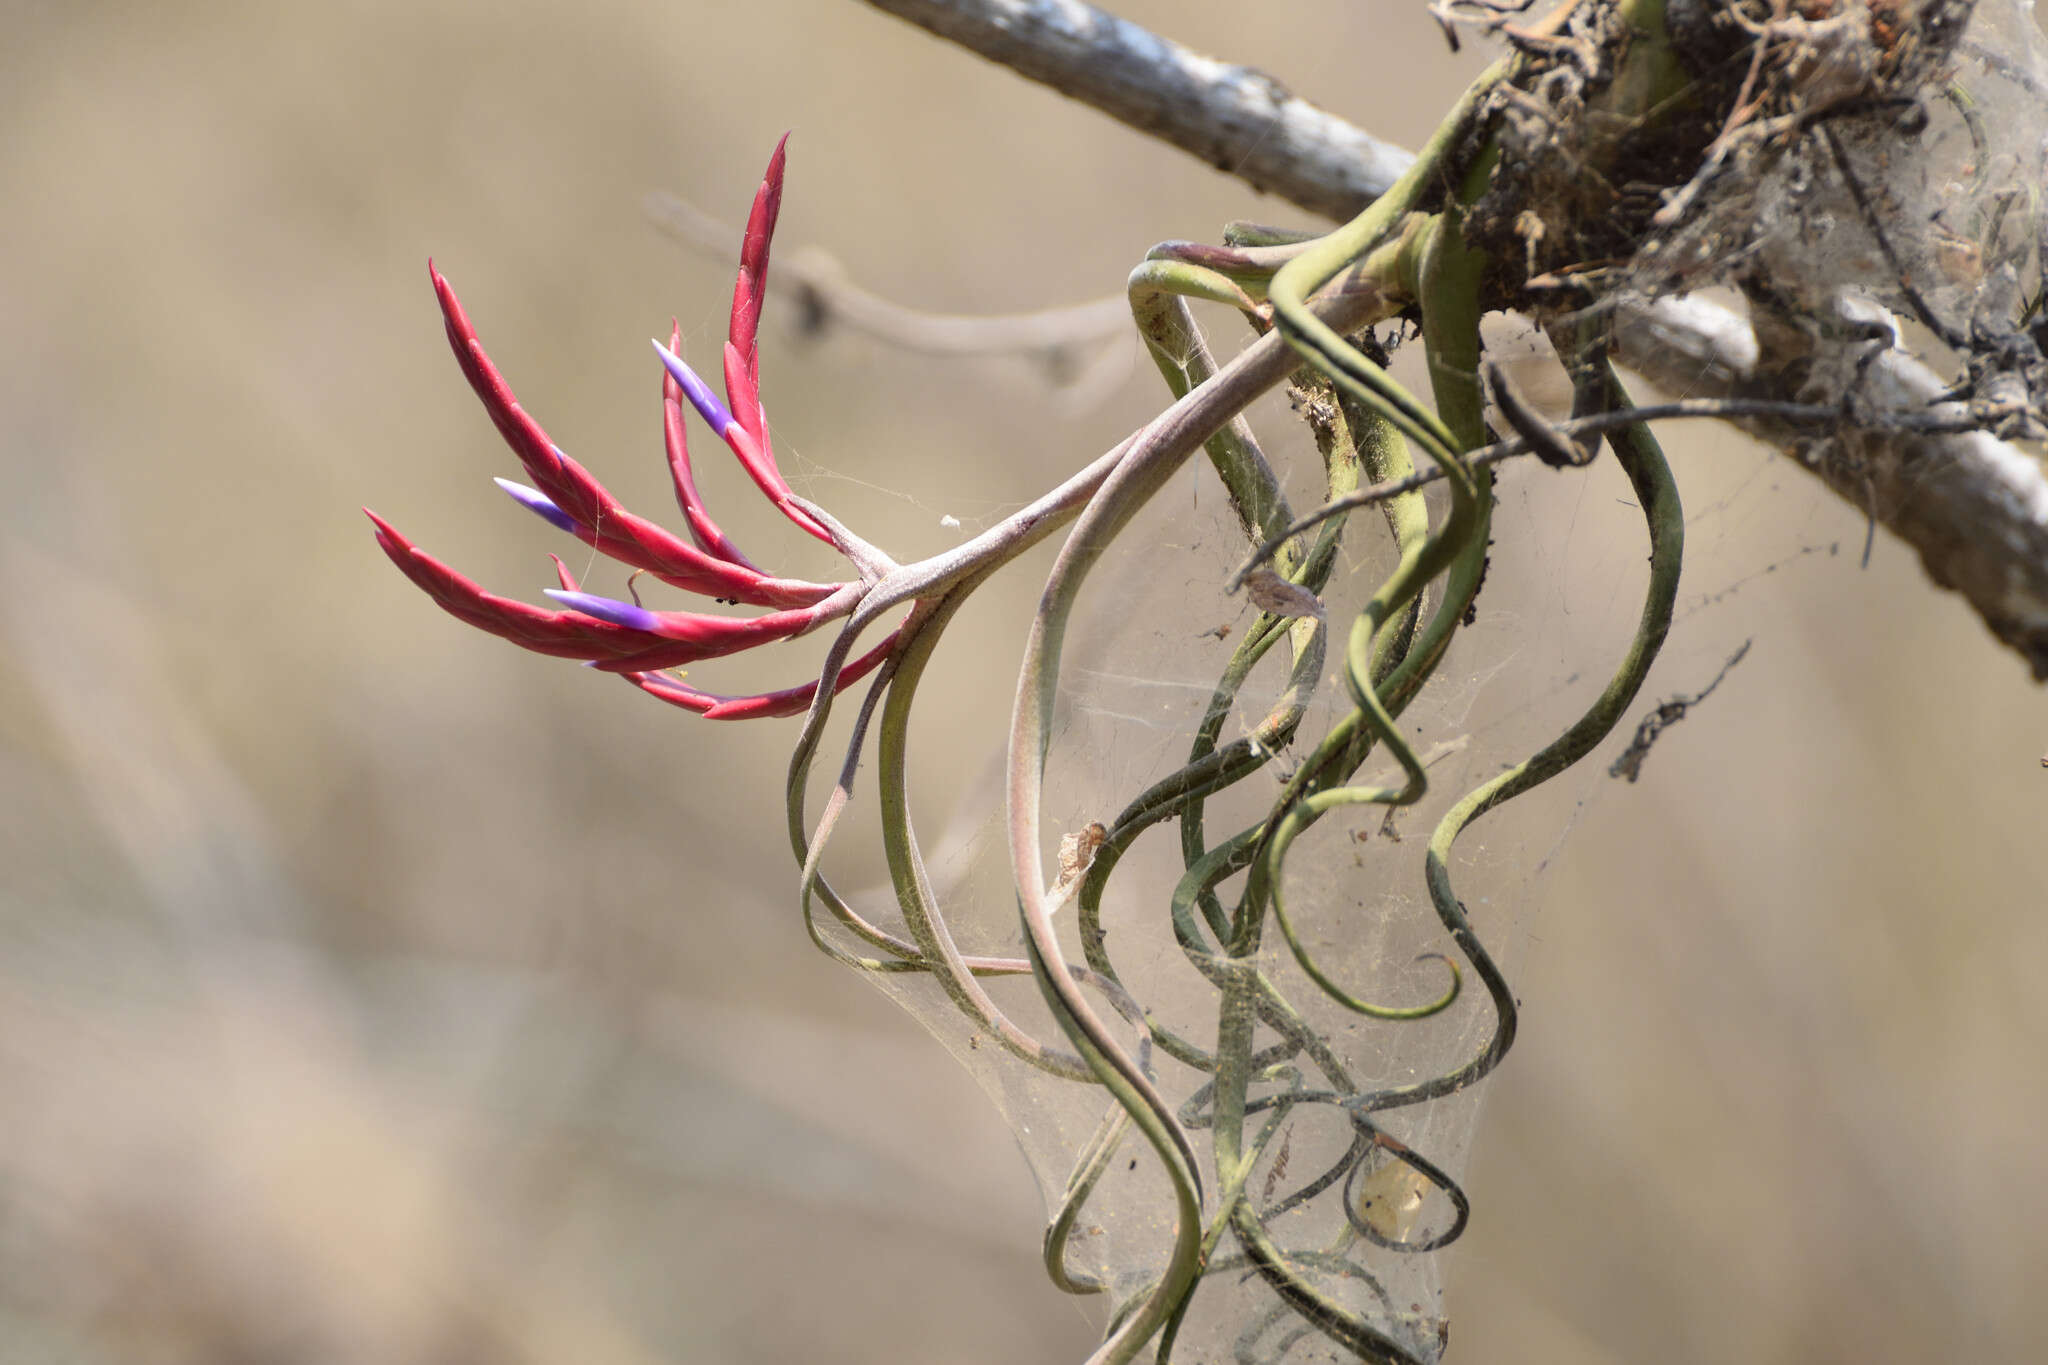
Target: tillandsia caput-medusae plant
[[1619, 149]]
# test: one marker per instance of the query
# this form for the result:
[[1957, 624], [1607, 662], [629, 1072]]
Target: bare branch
[[827, 298], [1239, 120], [1975, 508]]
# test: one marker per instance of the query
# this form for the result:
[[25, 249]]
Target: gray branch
[[1239, 120], [1974, 508]]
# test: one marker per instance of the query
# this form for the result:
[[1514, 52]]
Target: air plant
[[1257, 1085]]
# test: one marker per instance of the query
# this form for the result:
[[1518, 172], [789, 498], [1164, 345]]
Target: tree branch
[[1975, 508], [1241, 121]]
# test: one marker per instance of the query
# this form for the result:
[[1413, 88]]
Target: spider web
[[1155, 630], [1564, 588]]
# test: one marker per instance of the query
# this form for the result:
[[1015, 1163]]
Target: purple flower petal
[[606, 609], [538, 503], [701, 397]]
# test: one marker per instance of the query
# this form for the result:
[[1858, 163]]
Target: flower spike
[[751, 455], [790, 701], [703, 530], [566, 634], [625, 638], [742, 351], [612, 635], [601, 521], [710, 635]]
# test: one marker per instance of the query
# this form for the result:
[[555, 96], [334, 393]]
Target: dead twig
[[1667, 714]]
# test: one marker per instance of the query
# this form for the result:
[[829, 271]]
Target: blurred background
[[373, 991]]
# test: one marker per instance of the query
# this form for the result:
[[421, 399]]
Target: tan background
[[372, 991]]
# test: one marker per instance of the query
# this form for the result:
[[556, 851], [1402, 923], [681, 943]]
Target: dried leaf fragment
[[1077, 851], [1276, 596]]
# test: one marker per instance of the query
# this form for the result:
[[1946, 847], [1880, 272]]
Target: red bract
[[675, 437], [623, 637], [790, 701]]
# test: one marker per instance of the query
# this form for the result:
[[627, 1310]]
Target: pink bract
[[623, 637]]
